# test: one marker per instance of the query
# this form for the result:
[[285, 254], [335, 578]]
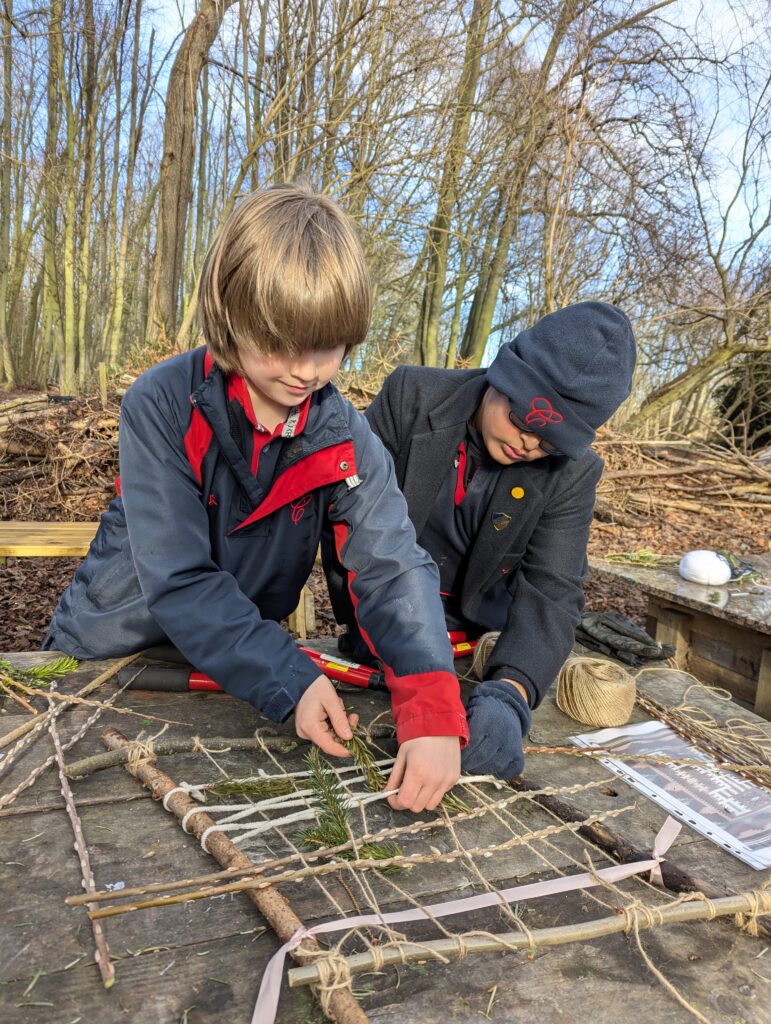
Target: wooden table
[[201, 962], [721, 634]]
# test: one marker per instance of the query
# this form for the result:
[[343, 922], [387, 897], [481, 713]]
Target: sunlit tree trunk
[[177, 165], [6, 363], [439, 231]]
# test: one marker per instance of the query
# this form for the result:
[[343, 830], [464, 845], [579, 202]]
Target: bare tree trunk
[[536, 130], [53, 327], [176, 174], [6, 365], [439, 232]]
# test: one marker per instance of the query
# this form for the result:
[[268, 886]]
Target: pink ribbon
[[267, 1000]]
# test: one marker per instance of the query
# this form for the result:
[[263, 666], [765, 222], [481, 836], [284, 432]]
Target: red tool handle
[[334, 668]]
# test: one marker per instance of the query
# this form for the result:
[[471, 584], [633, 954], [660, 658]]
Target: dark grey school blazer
[[421, 415]]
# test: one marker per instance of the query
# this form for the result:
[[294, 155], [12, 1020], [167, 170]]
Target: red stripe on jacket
[[199, 433], [423, 704], [460, 486]]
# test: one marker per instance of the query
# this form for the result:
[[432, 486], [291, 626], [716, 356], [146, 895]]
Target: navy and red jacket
[[201, 550]]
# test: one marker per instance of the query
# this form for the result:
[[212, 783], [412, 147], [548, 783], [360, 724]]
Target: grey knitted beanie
[[567, 375]]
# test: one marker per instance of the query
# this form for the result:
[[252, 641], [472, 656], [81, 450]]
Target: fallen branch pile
[[645, 479], [58, 457]]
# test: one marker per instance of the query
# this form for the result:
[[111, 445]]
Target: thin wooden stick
[[454, 948], [164, 746], [102, 954], [674, 877], [89, 801], [271, 904], [331, 867], [68, 699], [17, 697], [606, 754], [172, 745], [315, 856]]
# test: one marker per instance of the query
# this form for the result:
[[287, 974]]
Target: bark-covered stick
[[171, 745], [271, 904], [585, 931], [102, 955]]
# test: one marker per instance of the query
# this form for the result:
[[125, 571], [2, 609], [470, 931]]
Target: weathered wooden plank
[[606, 982]]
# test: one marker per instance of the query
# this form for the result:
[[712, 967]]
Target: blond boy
[[232, 459]]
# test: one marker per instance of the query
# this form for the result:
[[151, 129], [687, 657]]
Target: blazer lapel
[[506, 519], [432, 452], [430, 458]]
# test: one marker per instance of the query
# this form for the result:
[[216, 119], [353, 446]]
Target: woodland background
[[502, 158]]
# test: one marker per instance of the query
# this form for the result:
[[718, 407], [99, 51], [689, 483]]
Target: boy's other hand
[[425, 768], [319, 714]]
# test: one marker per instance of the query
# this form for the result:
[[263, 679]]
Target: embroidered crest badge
[[500, 520]]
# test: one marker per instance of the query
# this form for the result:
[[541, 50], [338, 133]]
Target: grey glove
[[612, 633], [498, 719]]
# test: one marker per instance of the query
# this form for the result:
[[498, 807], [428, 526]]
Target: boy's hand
[[424, 770], [319, 713]]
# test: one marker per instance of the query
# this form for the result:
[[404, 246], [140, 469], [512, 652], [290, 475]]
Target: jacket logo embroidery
[[541, 413], [212, 500], [500, 520], [298, 508]]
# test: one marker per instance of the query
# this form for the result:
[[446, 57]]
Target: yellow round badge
[[517, 492]]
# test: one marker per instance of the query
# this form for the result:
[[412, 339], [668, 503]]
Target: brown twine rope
[[761, 907], [334, 974], [142, 751], [590, 690], [595, 691], [482, 652]]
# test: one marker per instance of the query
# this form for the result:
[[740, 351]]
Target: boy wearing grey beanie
[[500, 484]]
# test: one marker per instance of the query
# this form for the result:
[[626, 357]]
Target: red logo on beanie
[[541, 413]]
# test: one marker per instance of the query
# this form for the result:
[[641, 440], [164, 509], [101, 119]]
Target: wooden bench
[[52, 540], [72, 540], [721, 634]]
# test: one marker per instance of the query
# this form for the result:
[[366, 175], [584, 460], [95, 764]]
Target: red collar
[[291, 427]]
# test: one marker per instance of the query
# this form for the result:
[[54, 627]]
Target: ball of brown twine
[[595, 691], [482, 652]]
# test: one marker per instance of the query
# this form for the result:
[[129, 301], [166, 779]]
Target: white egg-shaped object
[[705, 567]]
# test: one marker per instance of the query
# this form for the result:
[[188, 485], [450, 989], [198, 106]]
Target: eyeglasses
[[545, 446]]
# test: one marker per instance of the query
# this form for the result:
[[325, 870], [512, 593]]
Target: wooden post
[[673, 628], [763, 694], [102, 371], [269, 901], [303, 619]]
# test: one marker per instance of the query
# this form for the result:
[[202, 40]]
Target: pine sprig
[[374, 779], [260, 789], [40, 676], [453, 804], [333, 825]]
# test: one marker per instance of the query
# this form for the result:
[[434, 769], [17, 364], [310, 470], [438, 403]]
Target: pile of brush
[[665, 480], [58, 457]]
